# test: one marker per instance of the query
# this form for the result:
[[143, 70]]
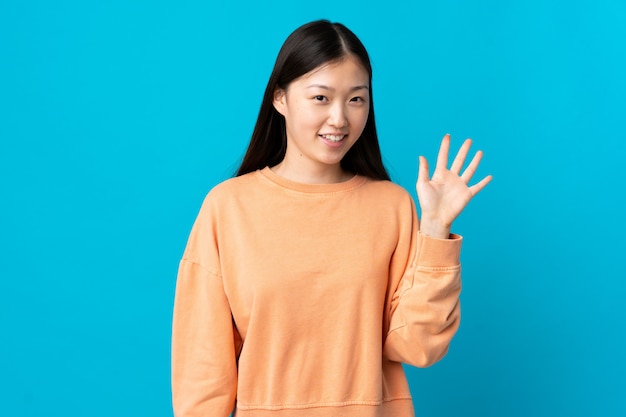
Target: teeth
[[333, 138]]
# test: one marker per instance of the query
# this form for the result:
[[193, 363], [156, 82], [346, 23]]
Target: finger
[[442, 157], [422, 173], [471, 168], [475, 189], [459, 160]]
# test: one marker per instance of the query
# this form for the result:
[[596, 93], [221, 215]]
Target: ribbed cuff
[[434, 252]]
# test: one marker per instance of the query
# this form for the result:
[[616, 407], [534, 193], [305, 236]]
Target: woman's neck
[[312, 175]]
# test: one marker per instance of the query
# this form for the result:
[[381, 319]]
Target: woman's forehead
[[348, 70]]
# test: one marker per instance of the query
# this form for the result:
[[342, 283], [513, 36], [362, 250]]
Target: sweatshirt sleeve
[[424, 311], [204, 340]]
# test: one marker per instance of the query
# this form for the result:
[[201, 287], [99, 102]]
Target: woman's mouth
[[333, 138]]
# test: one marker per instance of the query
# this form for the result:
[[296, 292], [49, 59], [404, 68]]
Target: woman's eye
[[357, 99], [319, 98]]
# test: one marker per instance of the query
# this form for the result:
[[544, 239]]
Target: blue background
[[117, 117]]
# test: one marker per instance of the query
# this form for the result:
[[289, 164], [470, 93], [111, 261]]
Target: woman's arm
[[204, 367], [205, 342], [424, 312]]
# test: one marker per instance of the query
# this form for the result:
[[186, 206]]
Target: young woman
[[307, 279]]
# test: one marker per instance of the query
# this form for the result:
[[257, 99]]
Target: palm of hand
[[444, 196]]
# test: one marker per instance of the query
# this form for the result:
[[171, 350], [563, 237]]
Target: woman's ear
[[280, 99]]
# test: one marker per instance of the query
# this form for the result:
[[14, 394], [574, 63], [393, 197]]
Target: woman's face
[[325, 113]]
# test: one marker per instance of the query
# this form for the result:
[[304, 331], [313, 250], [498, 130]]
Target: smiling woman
[[307, 279], [325, 113], [312, 48]]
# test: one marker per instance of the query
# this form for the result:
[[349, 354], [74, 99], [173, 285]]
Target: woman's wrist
[[433, 228]]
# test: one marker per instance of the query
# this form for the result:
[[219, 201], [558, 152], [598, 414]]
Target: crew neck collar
[[283, 182]]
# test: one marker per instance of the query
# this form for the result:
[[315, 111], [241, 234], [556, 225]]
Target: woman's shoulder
[[387, 198], [224, 191], [233, 184], [388, 189]]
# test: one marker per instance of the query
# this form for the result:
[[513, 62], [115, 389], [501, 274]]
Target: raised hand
[[444, 196]]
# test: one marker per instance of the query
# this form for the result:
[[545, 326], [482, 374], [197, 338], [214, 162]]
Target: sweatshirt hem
[[322, 404], [393, 407]]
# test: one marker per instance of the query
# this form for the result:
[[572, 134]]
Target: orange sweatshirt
[[300, 300]]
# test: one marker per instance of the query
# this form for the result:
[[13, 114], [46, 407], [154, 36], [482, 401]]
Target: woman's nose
[[337, 116]]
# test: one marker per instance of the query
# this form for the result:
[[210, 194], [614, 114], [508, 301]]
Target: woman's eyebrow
[[325, 87]]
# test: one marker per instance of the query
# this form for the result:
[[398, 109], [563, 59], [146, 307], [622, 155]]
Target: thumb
[[422, 173]]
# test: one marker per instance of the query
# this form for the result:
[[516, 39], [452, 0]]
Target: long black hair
[[308, 47]]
